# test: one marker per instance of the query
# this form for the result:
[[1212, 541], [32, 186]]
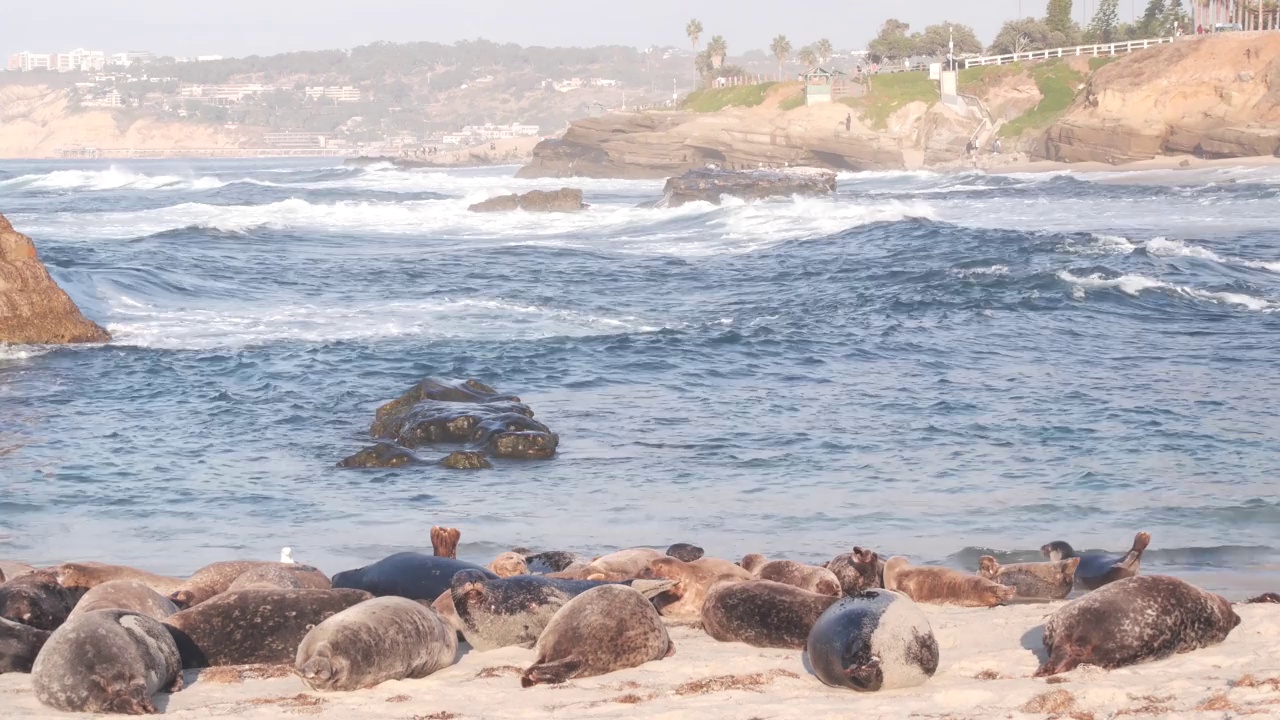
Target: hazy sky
[[243, 27]]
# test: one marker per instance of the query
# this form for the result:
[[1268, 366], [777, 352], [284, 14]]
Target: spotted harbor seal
[[19, 645], [508, 564], [552, 561], [877, 640], [515, 610], [1046, 581], [1098, 569], [36, 599], [242, 627], [604, 629], [218, 577], [789, 572], [269, 576], [693, 580], [943, 586], [131, 595], [408, 574], [387, 638], [685, 552], [107, 661], [1135, 620], [859, 570], [84, 576], [762, 613]]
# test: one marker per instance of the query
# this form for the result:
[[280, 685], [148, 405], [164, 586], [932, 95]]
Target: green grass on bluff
[[1057, 83], [713, 99], [891, 91]]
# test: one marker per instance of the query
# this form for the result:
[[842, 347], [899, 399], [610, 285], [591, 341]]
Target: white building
[[346, 93], [132, 57], [28, 61], [81, 60], [110, 99]]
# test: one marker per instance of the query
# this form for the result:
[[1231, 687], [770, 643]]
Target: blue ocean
[[932, 365]]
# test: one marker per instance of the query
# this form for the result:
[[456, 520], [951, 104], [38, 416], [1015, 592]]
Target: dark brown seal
[[808, 577], [1096, 569], [131, 595], [1265, 598], [1047, 580], [685, 552], [218, 577], [107, 661], [943, 586], [859, 570], [693, 580], [243, 627], [36, 599], [19, 646], [387, 638], [1135, 620], [762, 613], [604, 629], [84, 576]]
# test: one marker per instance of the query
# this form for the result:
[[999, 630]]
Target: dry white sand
[[988, 657]]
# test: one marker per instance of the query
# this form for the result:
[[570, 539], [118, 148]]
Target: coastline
[[987, 659], [1163, 162]]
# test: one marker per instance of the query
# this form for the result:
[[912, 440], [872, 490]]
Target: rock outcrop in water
[[33, 309], [562, 200], [469, 413], [711, 185]]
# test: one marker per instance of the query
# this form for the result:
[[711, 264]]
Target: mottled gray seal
[[36, 599], [242, 627], [387, 638], [552, 561], [859, 570], [876, 640], [131, 595], [607, 628], [408, 574], [107, 661], [515, 610], [943, 586], [19, 646], [1047, 580], [807, 577], [762, 613], [693, 580], [685, 552], [84, 576], [509, 564], [273, 576], [217, 578], [1134, 620], [1097, 569]]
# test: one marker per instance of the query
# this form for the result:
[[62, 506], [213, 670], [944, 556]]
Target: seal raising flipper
[[444, 542], [1095, 569]]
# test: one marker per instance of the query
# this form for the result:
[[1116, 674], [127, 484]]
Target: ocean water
[[926, 364]]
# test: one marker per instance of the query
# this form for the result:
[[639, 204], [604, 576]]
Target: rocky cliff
[[33, 309]]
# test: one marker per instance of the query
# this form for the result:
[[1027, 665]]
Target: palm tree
[[824, 50], [717, 49], [808, 57], [694, 31], [781, 49]]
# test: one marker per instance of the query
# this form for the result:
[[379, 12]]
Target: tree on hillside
[[1058, 17], [1024, 35], [892, 43], [808, 57], [781, 49], [823, 50], [1153, 17], [694, 31], [1175, 16], [1105, 21], [717, 50], [935, 40]]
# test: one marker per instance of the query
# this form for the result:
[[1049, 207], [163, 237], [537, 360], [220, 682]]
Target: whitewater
[[935, 365]]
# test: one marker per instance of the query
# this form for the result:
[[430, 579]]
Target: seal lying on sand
[[88, 575], [407, 574], [807, 577], [859, 570], [11, 569], [878, 640], [1049, 581], [1134, 620], [36, 599], [1096, 570], [693, 580], [607, 628], [388, 638], [509, 564], [552, 561], [515, 610], [218, 577], [131, 595], [19, 646], [107, 661], [254, 626], [685, 552], [622, 564], [762, 613], [943, 586], [273, 576]]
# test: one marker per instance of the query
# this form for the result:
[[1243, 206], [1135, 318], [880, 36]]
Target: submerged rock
[[562, 200], [382, 455], [711, 185], [466, 460], [33, 309]]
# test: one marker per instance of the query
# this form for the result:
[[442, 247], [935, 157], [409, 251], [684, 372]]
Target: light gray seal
[[878, 640], [19, 646], [107, 661], [762, 613], [604, 629], [132, 595], [857, 571], [1135, 620], [807, 577], [1097, 569], [1045, 581], [386, 638]]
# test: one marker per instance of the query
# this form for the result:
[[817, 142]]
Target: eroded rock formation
[[33, 309], [711, 185], [562, 200]]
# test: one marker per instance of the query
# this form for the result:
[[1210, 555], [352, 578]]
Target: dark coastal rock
[[33, 309], [711, 185], [1265, 598], [466, 460], [524, 445], [562, 200], [382, 455], [431, 422], [469, 391]]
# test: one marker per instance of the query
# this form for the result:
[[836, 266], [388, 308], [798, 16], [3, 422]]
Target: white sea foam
[[113, 178], [21, 352], [1134, 284], [1167, 247], [994, 270]]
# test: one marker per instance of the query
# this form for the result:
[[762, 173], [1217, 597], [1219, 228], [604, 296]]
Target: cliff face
[[33, 309], [1216, 97]]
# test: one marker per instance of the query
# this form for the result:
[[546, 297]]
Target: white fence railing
[[1119, 48]]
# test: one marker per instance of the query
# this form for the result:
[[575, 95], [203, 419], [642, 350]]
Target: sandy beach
[[988, 657], [1019, 163]]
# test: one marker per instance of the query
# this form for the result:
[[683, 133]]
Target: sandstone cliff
[[33, 309]]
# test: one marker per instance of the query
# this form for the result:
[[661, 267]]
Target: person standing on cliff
[[848, 122]]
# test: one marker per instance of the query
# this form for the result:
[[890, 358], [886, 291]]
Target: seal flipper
[[652, 588], [1133, 559], [132, 700], [177, 685], [444, 542], [551, 672], [1060, 661], [868, 676]]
